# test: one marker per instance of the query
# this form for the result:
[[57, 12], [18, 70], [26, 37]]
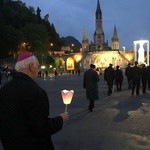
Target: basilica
[[98, 51]]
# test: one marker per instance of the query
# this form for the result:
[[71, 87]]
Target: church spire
[[115, 40], [98, 11], [99, 36], [84, 35], [85, 42], [115, 33]]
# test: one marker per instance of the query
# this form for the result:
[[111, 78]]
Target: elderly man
[[24, 110]]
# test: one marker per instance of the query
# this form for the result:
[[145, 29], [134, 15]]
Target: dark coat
[[24, 116], [90, 80], [109, 76], [144, 73], [136, 73], [148, 71], [128, 72], [0, 77], [118, 76]]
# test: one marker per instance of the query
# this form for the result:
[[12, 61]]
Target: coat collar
[[22, 76]]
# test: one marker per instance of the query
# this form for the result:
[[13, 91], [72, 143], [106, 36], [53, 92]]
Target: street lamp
[[124, 48], [51, 45], [71, 50], [23, 47]]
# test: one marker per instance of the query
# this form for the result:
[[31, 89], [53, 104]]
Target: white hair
[[25, 63]]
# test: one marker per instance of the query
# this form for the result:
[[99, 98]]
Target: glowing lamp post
[[67, 97]]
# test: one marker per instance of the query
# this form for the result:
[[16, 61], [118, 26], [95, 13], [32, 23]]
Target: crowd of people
[[137, 76]]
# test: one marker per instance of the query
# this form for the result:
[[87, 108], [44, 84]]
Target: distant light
[[42, 67], [77, 57]]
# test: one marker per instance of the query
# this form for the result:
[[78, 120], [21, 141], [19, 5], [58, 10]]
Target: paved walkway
[[119, 122]]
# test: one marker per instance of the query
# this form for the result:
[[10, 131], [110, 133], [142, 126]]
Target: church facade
[[98, 52]]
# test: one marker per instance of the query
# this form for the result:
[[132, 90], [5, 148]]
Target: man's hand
[[64, 116]]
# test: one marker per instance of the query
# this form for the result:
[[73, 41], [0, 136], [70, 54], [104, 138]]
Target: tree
[[19, 24], [37, 37], [10, 39], [49, 60]]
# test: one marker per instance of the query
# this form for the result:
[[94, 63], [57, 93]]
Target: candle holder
[[67, 96]]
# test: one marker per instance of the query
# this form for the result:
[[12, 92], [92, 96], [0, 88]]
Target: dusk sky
[[131, 17]]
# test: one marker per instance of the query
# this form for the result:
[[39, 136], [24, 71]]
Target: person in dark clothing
[[144, 77], [78, 71], [25, 123], [0, 76], [136, 74], [39, 73], [55, 73], [128, 74], [118, 78], [109, 76], [148, 76], [90, 80]]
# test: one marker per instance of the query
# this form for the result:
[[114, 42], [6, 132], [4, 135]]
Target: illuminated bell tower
[[99, 36]]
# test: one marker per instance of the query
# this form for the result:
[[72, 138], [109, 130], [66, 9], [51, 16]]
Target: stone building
[[98, 52]]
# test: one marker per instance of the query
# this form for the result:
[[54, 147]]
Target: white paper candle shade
[[67, 97]]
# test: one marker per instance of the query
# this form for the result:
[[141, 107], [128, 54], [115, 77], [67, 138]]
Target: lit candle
[[67, 96]]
